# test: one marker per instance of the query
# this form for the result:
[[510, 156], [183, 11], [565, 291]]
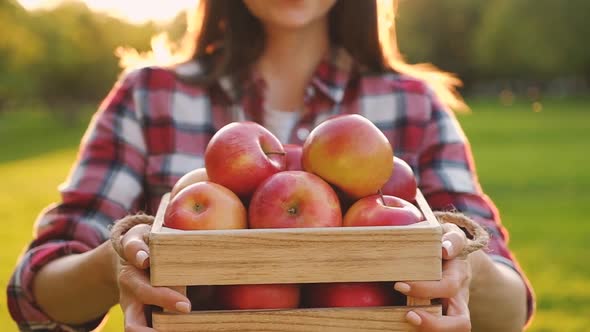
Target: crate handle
[[480, 236], [125, 224]]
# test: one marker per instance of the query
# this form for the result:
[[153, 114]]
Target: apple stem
[[275, 152], [382, 196]]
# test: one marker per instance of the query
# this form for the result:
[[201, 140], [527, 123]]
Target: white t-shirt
[[280, 123]]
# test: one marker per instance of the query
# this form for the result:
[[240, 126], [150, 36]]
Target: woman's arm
[[497, 296], [78, 288], [449, 181], [65, 271]]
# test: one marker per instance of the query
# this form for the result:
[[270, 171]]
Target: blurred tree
[[62, 55], [67, 54], [534, 38], [440, 32], [80, 62], [16, 55]]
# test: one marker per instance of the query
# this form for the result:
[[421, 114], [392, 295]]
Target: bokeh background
[[526, 68]]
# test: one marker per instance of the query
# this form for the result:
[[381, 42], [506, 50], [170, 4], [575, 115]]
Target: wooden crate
[[311, 255]]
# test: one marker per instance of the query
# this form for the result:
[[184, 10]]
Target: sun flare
[[136, 11]]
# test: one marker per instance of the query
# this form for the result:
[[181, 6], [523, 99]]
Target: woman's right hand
[[135, 291]]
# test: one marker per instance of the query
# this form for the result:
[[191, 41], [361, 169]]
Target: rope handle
[[480, 235], [124, 225]]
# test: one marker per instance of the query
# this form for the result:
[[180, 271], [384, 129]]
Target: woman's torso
[[178, 118]]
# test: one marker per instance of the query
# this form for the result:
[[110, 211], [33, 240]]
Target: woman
[[287, 64]]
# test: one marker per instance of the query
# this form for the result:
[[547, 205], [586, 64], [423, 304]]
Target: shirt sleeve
[[104, 185], [448, 179]]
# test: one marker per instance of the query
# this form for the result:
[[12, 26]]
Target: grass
[[533, 165]]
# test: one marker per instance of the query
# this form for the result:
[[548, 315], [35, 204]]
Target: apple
[[294, 153], [205, 205], [243, 154], [350, 152], [265, 296], [194, 176], [382, 210], [348, 294], [402, 182], [294, 199]]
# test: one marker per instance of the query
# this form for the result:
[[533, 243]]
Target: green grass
[[534, 165]]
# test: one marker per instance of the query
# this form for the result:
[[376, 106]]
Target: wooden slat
[[414, 301], [159, 220], [379, 319], [341, 254], [180, 289], [425, 208]]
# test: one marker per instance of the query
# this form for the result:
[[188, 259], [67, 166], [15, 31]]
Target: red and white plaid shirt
[[153, 128]]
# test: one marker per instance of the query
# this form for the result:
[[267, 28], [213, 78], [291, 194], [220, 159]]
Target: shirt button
[[302, 133]]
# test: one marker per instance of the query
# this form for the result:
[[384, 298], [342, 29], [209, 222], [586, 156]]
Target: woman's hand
[[453, 288], [134, 286]]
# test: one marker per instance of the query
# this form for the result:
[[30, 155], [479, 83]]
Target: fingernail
[[448, 245], [402, 287], [141, 257], [183, 307], [413, 318]]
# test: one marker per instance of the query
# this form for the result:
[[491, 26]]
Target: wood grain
[[295, 256], [159, 220], [425, 208], [414, 301], [297, 320]]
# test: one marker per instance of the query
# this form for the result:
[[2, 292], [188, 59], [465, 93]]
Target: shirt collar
[[330, 78], [333, 74]]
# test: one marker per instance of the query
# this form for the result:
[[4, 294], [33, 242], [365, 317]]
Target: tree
[[534, 38]]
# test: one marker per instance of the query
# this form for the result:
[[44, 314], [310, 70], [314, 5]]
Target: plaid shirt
[[153, 128]]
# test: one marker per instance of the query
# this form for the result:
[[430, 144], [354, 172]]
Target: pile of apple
[[344, 175]]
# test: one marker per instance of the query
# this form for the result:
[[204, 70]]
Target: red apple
[[270, 296], [349, 152], [194, 176], [294, 199], [243, 154], [377, 210], [294, 153], [348, 294], [205, 205], [402, 182]]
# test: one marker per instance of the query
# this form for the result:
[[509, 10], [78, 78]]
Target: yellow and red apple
[[350, 152], [194, 176]]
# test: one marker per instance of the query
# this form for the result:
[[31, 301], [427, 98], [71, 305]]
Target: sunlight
[[136, 11]]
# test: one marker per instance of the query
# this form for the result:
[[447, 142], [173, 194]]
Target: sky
[[136, 11]]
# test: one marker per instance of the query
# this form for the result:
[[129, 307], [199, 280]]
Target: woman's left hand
[[453, 288]]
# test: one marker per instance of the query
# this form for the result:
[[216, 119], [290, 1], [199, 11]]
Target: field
[[534, 165]]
